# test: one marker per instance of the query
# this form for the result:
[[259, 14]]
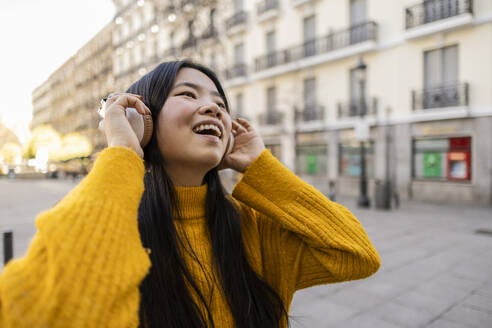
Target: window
[[355, 93], [213, 61], [441, 67], [443, 159], [270, 46], [358, 16], [309, 28], [349, 159], [239, 54], [312, 159], [438, 9], [441, 87], [238, 5], [239, 105], [358, 12], [309, 112]]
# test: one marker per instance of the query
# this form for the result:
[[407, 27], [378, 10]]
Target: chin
[[210, 161]]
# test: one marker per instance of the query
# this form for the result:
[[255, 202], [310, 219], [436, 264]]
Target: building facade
[[68, 100], [290, 67], [410, 82]]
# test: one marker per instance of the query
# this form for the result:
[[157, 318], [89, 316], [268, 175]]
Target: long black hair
[[166, 298]]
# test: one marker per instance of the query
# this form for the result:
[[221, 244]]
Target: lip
[[209, 137], [214, 122]]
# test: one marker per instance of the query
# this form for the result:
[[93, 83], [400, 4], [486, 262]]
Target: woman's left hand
[[247, 146]]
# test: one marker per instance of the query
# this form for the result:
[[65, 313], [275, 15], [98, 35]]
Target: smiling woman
[[150, 239]]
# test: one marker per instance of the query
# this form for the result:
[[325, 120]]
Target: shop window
[[349, 155], [444, 159], [312, 160]]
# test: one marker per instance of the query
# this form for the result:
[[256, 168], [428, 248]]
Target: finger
[[245, 124], [114, 97], [131, 101], [238, 127]]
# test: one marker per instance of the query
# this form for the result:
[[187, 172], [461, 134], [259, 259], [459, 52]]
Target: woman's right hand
[[115, 125]]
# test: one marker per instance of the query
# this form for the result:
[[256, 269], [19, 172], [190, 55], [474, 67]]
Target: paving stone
[[320, 314], [479, 302], [424, 302], [356, 298], [469, 317], [367, 320], [441, 323], [402, 315], [443, 291]]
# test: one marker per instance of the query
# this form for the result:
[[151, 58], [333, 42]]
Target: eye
[[221, 105], [187, 94]]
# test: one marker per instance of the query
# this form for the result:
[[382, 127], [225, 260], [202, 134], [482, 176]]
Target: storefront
[[442, 159], [450, 161], [311, 158]]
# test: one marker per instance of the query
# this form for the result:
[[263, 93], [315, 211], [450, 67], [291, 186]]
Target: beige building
[[422, 106], [69, 99]]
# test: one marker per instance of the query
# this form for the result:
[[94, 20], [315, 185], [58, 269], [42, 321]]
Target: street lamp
[[360, 73]]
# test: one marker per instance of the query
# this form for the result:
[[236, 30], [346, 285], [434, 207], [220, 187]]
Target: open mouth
[[208, 129]]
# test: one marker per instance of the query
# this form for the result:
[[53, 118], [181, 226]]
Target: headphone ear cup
[[148, 130]]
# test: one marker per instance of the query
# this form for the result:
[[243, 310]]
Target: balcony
[[267, 9], [310, 114], [456, 95], [353, 108], [210, 33], [270, 117], [188, 43], [239, 18], [333, 41], [435, 10], [238, 70]]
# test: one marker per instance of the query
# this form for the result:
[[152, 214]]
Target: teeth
[[202, 127]]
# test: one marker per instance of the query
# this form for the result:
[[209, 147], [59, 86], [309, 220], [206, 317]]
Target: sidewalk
[[436, 272]]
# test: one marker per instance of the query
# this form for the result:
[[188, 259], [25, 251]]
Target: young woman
[[150, 239]]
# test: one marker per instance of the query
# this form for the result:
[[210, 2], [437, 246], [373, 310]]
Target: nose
[[211, 110]]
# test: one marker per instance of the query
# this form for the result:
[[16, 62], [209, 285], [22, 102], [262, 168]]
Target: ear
[[230, 145]]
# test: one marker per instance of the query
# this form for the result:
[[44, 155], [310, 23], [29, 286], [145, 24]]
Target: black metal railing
[[445, 96], [210, 33], [333, 41], [237, 70], [435, 10], [354, 108], [238, 18], [270, 117], [310, 113], [266, 5]]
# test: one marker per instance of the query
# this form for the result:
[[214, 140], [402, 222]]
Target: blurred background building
[[411, 82]]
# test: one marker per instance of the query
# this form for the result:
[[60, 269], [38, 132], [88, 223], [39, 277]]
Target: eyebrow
[[197, 87]]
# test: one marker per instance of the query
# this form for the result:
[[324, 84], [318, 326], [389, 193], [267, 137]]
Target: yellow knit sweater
[[86, 261]]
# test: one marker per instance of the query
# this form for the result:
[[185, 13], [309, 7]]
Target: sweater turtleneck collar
[[191, 201]]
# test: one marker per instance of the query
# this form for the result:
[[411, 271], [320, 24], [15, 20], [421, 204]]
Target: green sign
[[432, 165], [312, 164]]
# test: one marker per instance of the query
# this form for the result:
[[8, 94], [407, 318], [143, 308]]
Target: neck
[[185, 176]]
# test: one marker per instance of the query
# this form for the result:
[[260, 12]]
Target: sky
[[37, 37]]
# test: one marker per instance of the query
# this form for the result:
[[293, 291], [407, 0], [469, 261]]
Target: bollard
[[8, 249]]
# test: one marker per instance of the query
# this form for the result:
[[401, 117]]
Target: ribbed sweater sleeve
[[305, 238], [86, 261]]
